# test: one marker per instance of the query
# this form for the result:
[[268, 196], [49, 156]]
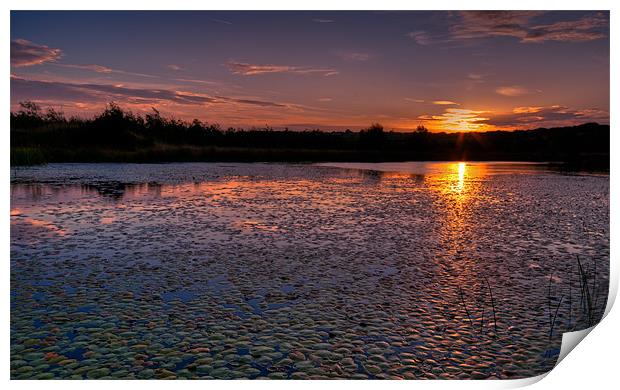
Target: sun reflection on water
[[457, 181], [461, 168], [456, 188]]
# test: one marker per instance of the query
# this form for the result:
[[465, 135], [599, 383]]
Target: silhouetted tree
[[421, 129], [372, 137]]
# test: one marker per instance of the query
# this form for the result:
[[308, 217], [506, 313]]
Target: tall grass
[[27, 157]]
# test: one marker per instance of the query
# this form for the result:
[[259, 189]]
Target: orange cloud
[[26, 53], [513, 90], [92, 67], [458, 119], [526, 110]]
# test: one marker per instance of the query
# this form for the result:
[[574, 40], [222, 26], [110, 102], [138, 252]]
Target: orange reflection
[[456, 181], [457, 187], [107, 220], [50, 227]]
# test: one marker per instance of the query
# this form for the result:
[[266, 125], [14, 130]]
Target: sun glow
[[459, 119]]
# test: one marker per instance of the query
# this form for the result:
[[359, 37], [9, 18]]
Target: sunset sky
[[451, 71]]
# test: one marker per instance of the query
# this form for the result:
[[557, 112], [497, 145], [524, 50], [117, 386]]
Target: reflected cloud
[[34, 229]]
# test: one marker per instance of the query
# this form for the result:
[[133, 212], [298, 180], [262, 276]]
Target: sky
[[336, 70]]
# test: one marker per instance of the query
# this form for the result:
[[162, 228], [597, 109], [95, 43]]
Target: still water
[[391, 270]]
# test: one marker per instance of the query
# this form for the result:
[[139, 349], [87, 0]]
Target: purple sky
[[450, 71]]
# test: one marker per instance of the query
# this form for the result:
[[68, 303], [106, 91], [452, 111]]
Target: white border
[[593, 365]]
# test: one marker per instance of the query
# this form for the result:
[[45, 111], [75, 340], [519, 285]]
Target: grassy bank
[[27, 157]]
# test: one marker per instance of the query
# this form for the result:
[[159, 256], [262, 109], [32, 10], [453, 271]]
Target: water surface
[[302, 271]]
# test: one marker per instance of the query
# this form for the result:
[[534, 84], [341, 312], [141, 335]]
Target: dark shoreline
[[179, 154]]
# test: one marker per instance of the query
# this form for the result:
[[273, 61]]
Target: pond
[[390, 270]]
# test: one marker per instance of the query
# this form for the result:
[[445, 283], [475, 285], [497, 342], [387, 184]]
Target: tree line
[[128, 134]]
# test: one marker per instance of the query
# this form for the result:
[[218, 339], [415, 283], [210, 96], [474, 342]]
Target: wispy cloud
[[102, 69], [324, 99], [547, 116], [221, 21], [421, 37], [246, 69], [24, 89], [586, 29], [513, 90], [90, 67], [522, 25], [353, 55], [526, 117], [26, 53], [174, 67], [197, 81], [526, 110], [261, 103], [445, 103], [474, 79], [415, 100], [323, 20]]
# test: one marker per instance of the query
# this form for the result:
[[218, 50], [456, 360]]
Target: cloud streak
[[526, 117], [26, 53], [23, 89], [588, 28], [512, 91], [539, 116], [521, 25], [354, 56], [221, 21], [90, 67], [246, 69], [421, 37]]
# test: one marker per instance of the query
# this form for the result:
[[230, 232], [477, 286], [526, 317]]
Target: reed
[[553, 314], [492, 304], [465, 306], [586, 294]]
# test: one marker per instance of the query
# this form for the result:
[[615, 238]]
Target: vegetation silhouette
[[118, 135]]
